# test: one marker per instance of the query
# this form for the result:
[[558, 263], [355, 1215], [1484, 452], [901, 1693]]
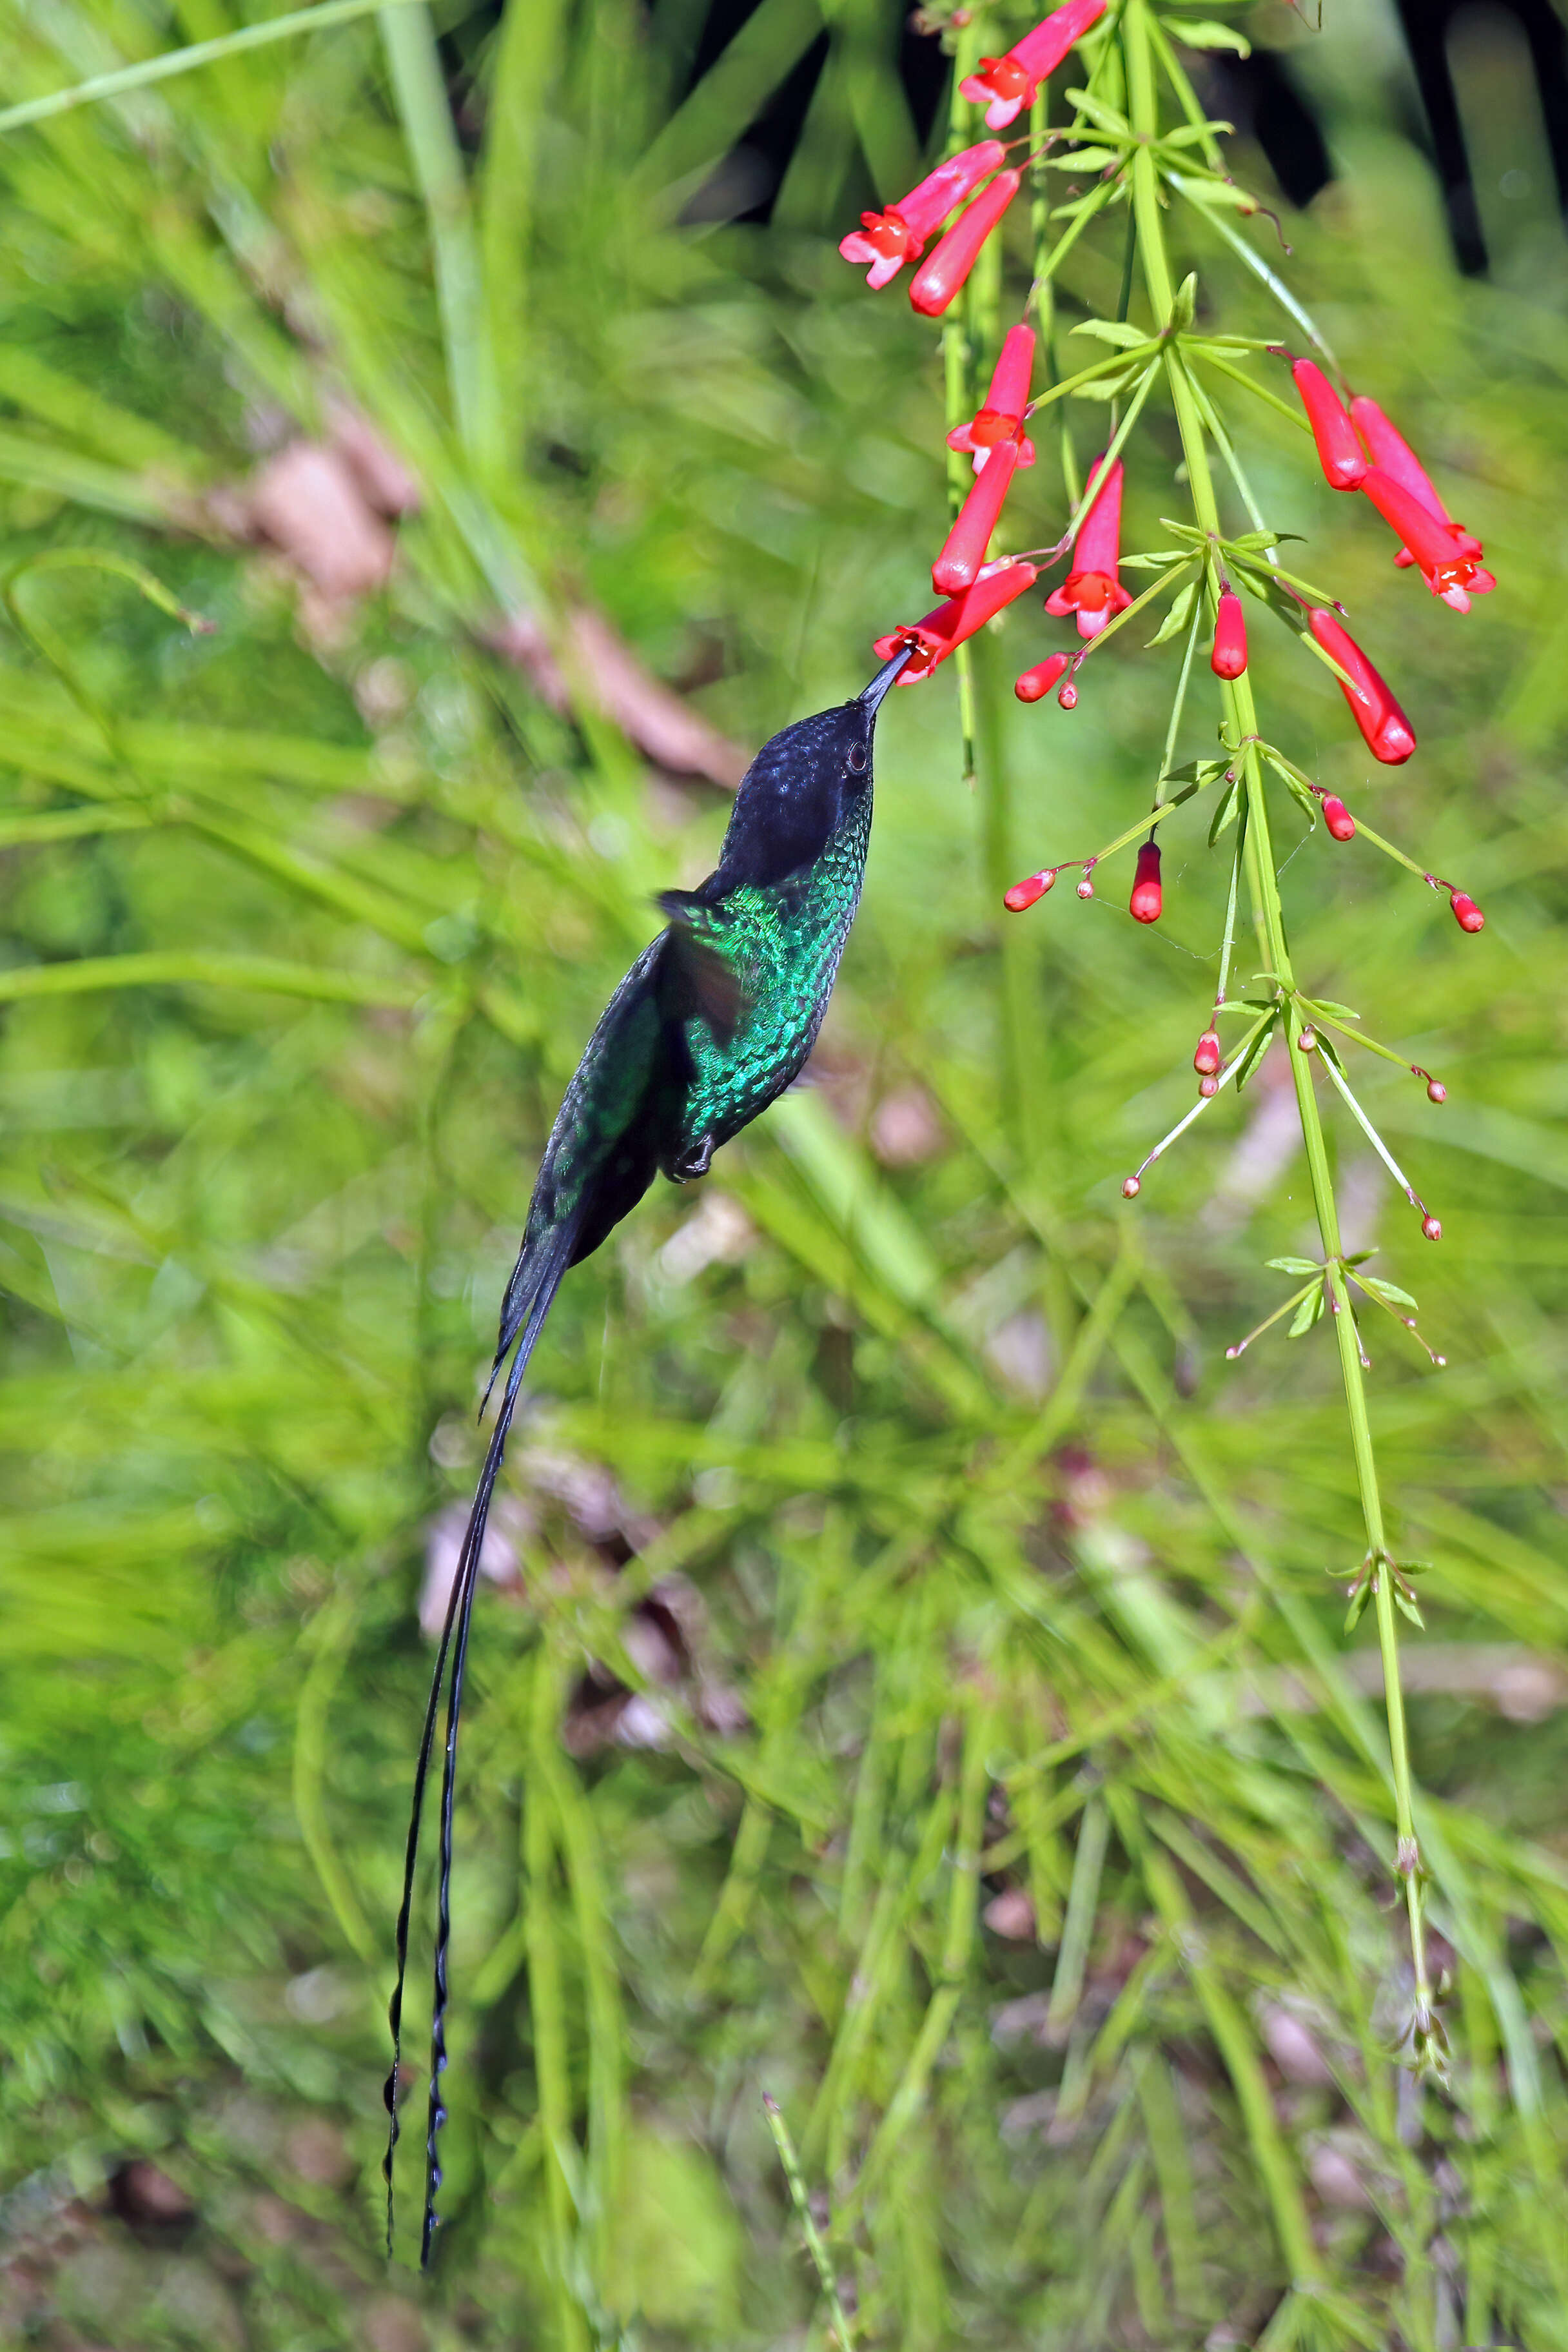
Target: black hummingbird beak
[[870, 696]]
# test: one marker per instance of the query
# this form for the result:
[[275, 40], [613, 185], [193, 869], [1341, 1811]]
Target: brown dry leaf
[[600, 662]]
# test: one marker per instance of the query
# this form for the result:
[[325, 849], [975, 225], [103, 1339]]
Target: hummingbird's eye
[[858, 757]]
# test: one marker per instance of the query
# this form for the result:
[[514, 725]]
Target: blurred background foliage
[[910, 1682]]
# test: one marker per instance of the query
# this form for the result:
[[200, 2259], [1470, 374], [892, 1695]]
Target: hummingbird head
[[802, 789]]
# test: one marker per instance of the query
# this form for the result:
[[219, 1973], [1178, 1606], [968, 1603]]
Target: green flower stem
[[957, 361], [1242, 714]]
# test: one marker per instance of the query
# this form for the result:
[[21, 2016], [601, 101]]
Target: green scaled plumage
[[715, 1018]]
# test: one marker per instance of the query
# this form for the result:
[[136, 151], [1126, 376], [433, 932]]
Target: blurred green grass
[[898, 1522]]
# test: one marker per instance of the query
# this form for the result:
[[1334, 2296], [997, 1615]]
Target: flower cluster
[[1116, 143]]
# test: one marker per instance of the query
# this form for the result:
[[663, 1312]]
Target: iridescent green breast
[[783, 945]]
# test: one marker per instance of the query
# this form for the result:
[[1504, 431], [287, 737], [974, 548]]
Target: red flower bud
[[1339, 452], [1036, 683], [1207, 1060], [1147, 898], [1436, 1091], [1024, 893], [1130, 1188], [1337, 818], [1009, 82], [1228, 658], [1208, 1086], [1085, 888], [1068, 698], [1467, 914], [888, 239], [1432, 1229], [964, 552], [946, 628], [940, 275], [1386, 731]]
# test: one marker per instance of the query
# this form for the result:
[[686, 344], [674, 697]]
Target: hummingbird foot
[[694, 1162]]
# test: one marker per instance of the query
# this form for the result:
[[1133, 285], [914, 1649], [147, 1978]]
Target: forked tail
[[555, 1250]]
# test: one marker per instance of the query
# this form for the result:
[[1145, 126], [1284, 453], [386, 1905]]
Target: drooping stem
[[1243, 729]]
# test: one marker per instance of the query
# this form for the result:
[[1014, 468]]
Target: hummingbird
[[714, 1020]]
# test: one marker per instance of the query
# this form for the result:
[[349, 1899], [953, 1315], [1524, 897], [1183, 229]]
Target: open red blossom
[[1228, 658], [1036, 683], [1340, 453], [964, 551], [945, 629], [888, 239], [1386, 731], [1148, 898], [1093, 587], [1006, 85], [944, 269], [1002, 417], [1448, 556]]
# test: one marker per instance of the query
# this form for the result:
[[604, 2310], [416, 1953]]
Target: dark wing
[[701, 981]]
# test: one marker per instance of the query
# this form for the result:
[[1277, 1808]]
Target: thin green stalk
[[958, 378], [1243, 717]]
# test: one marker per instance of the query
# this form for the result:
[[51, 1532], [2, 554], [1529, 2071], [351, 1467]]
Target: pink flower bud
[[1308, 1039], [1436, 1091], [1036, 683], [1337, 818], [1068, 698], [1228, 658], [964, 551], [1148, 898], [1208, 1086], [1085, 888], [940, 275], [1339, 452], [1130, 1188], [946, 628], [1386, 731], [1432, 1229], [1024, 893], [1206, 1059], [1467, 914]]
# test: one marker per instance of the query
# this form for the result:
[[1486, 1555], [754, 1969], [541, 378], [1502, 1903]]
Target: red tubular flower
[[1036, 683], [1393, 453], [1024, 893], [1228, 658], [1340, 453], [888, 239], [943, 271], [942, 631], [1148, 898], [1446, 555], [963, 551], [1009, 82], [1386, 731], [1093, 587], [1337, 818], [1002, 417], [1467, 914]]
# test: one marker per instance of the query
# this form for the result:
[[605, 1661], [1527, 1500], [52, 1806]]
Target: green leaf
[[1204, 33], [1309, 1311], [1210, 192], [1406, 1607], [1327, 1004], [1357, 1609], [1294, 1265], [1255, 1054], [1085, 159], [1390, 1291], [1225, 813], [1184, 304], [1176, 619], [1110, 330]]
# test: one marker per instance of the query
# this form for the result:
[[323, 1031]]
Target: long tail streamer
[[454, 1645]]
